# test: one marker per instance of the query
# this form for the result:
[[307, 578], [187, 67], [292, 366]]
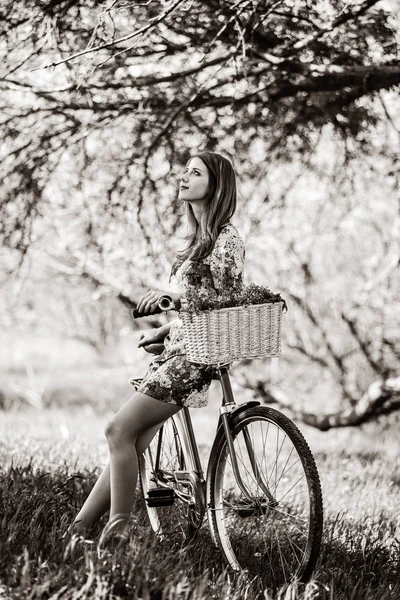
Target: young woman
[[211, 263]]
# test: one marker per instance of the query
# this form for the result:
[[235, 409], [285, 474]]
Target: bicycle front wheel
[[273, 528]]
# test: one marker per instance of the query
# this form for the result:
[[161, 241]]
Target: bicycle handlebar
[[165, 303]]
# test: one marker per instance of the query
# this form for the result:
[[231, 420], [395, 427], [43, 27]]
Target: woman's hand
[[151, 337], [149, 302]]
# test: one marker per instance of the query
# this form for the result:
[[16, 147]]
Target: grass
[[51, 458]]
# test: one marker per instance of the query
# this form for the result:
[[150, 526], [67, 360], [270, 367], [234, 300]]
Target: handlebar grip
[[165, 303]]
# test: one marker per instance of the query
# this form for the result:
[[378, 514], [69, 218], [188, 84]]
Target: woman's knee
[[118, 434]]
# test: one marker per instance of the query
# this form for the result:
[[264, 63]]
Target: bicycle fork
[[228, 406]]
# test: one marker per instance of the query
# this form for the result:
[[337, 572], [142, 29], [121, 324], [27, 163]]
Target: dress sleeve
[[227, 262], [220, 273]]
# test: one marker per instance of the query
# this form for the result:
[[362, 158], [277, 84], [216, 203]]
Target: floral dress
[[170, 377]]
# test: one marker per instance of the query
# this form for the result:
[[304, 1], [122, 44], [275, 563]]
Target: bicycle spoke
[[242, 461], [264, 457], [277, 455], [287, 514], [284, 467], [304, 491], [292, 524], [300, 478], [246, 469], [292, 543]]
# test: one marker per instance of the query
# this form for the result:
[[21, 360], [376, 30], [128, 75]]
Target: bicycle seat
[[136, 381]]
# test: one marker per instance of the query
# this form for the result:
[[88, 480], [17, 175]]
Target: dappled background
[[102, 105]]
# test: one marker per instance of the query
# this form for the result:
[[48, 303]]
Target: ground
[[50, 459]]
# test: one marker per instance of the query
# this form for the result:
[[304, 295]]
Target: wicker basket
[[227, 334]]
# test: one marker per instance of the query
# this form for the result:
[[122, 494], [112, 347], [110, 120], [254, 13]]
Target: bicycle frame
[[192, 478], [229, 406], [196, 478]]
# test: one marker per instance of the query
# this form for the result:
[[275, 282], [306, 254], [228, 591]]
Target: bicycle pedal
[[159, 502], [160, 497]]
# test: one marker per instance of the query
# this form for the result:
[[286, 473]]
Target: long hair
[[220, 205]]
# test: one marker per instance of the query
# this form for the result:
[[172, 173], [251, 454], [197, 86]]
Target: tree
[[234, 72], [122, 93]]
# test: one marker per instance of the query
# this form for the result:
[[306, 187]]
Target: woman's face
[[194, 181]]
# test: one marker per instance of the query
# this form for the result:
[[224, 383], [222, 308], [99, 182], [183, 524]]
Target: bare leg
[[98, 501], [139, 414], [96, 504], [144, 440]]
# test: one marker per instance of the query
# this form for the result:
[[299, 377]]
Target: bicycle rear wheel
[[170, 486], [277, 534]]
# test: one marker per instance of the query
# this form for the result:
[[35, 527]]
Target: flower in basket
[[259, 294], [249, 295]]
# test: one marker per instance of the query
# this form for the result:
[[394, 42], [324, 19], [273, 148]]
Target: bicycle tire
[[275, 516], [179, 520]]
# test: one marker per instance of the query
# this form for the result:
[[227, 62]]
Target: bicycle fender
[[236, 411], [241, 407]]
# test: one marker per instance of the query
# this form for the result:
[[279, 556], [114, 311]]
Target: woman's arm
[[220, 273], [164, 329]]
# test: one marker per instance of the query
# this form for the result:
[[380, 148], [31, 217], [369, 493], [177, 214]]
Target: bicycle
[[261, 492]]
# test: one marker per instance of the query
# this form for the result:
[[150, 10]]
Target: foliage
[[106, 101], [249, 295]]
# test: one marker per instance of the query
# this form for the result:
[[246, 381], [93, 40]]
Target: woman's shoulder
[[228, 245], [229, 232]]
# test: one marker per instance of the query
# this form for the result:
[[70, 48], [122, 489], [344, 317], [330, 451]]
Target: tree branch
[[88, 269], [379, 369], [381, 398], [152, 22], [346, 15]]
